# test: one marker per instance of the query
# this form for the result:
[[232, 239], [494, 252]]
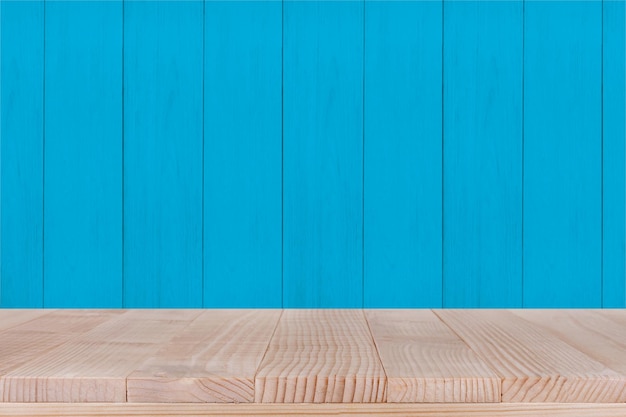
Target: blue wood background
[[312, 154]]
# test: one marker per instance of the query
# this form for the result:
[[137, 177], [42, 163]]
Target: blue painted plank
[[614, 209], [402, 181], [243, 154], [83, 154], [323, 154], [21, 154], [482, 155], [562, 154], [163, 154]]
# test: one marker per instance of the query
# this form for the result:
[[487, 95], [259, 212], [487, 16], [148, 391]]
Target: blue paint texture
[[357, 153]]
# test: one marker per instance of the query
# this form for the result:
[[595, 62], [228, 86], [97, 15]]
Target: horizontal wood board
[[313, 356]]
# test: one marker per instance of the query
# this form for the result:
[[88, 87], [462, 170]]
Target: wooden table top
[[314, 356]]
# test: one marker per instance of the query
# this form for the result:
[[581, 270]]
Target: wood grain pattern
[[535, 365], [482, 153], [402, 154], [243, 154], [83, 154], [315, 356], [24, 343], [12, 318], [323, 154], [591, 332], [426, 362], [214, 359], [321, 356], [163, 47], [311, 410], [21, 153], [93, 367], [562, 154], [614, 154]]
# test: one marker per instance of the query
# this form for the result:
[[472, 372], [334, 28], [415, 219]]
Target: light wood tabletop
[[286, 362]]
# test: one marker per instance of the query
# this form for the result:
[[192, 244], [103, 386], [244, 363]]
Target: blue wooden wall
[[312, 154]]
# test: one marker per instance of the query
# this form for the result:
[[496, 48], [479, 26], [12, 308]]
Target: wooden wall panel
[[163, 154], [482, 154], [83, 154], [323, 154], [563, 154], [312, 154], [21, 154], [243, 154], [614, 155], [402, 161]]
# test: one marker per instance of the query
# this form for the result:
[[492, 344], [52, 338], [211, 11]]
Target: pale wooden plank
[[321, 356], [214, 359], [32, 338], [94, 366], [310, 410], [590, 331], [11, 318], [535, 365], [426, 362], [618, 315]]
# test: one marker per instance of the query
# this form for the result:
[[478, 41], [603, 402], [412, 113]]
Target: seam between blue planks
[[123, 146], [602, 154], [523, 133], [363, 167], [282, 151], [43, 170], [202, 255], [443, 291]]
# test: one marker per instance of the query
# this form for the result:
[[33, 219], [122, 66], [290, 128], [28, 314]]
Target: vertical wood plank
[[323, 153], [402, 161], [562, 154], [21, 154], [243, 154], [163, 154], [482, 154], [614, 155], [83, 154]]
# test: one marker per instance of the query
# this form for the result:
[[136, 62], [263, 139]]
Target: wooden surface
[[321, 356], [242, 154], [251, 154], [271, 410], [214, 359], [21, 153], [82, 216], [163, 143], [402, 154], [535, 365], [322, 154], [426, 362], [414, 359], [482, 161], [562, 190]]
